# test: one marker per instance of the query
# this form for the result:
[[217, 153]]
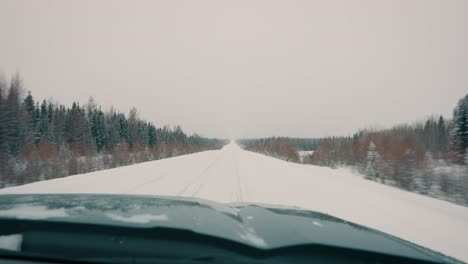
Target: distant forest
[[45, 140], [285, 148], [429, 157]]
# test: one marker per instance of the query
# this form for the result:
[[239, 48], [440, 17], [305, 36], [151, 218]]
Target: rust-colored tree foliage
[[277, 148]]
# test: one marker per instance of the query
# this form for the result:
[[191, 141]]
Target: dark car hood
[[265, 227]]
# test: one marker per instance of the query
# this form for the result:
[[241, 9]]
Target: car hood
[[260, 226]]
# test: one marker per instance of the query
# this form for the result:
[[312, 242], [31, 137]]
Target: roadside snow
[[235, 175]]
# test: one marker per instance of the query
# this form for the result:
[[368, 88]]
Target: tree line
[[300, 144], [279, 147], [45, 140], [429, 157]]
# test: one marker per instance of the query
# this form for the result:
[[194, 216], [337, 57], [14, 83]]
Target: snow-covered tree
[[408, 171], [459, 131], [373, 164], [424, 179], [3, 118], [466, 159]]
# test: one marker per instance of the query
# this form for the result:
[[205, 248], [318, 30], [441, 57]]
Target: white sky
[[245, 68]]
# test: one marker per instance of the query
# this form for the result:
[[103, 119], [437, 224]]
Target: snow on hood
[[250, 224], [139, 219], [34, 212], [11, 242]]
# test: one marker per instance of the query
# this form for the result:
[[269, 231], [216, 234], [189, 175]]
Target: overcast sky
[[245, 68]]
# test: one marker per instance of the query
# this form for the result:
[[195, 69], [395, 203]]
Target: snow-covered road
[[234, 175]]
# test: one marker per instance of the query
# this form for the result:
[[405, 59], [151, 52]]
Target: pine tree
[[12, 110], [466, 158], [77, 132], [442, 135], [101, 127], [459, 131], [132, 127], [50, 117], [3, 118], [112, 129], [43, 120], [58, 125], [98, 129], [29, 118], [37, 129], [152, 138], [3, 87], [123, 127], [143, 133]]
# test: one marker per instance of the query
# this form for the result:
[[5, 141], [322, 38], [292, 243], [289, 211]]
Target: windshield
[[119, 115]]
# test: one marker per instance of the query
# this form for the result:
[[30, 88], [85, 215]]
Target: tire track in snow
[[267, 180], [237, 176], [199, 181], [242, 183], [139, 186]]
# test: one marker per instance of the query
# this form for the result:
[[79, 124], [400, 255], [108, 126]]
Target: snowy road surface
[[234, 175]]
